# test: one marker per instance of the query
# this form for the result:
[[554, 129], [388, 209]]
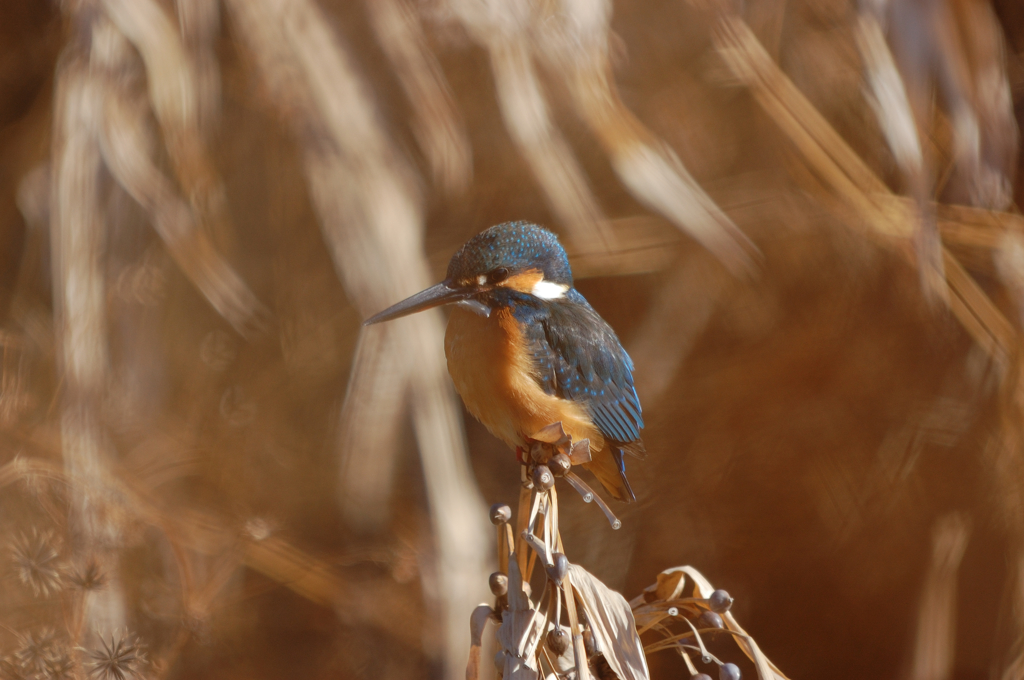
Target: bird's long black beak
[[435, 296]]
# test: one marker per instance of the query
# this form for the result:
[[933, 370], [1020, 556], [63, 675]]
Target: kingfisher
[[525, 349]]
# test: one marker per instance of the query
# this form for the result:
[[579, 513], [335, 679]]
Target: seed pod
[[499, 661], [557, 571], [501, 603], [500, 514], [710, 620], [559, 464], [719, 601], [498, 583], [542, 477], [477, 622], [700, 676], [558, 641], [729, 671], [589, 643]]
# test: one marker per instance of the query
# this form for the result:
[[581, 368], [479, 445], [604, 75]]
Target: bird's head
[[515, 257]]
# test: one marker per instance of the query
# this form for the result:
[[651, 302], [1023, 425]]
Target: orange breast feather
[[494, 375]]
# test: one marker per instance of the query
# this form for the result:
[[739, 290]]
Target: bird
[[525, 349]]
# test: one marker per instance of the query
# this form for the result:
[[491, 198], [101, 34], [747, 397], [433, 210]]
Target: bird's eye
[[498, 275]]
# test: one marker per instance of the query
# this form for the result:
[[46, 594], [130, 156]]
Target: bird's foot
[[548, 443], [552, 453]]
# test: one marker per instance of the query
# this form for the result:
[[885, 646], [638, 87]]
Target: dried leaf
[[766, 670], [520, 633], [521, 629], [670, 585], [612, 623]]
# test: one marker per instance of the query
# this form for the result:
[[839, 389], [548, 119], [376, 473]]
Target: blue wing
[[579, 357]]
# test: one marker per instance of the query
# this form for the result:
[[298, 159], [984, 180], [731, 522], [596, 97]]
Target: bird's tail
[[610, 469]]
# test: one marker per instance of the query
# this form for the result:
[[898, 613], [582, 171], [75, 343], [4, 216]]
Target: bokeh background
[[205, 455]]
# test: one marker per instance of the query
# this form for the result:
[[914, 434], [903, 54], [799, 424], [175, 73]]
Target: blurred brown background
[[200, 202]]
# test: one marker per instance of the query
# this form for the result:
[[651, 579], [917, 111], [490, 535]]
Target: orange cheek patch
[[524, 281]]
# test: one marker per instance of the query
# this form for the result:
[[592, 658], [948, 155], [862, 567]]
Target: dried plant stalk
[[850, 178], [985, 52], [936, 622], [371, 220], [575, 45], [644, 244], [78, 235], [505, 30], [127, 148], [892, 107], [651, 170], [680, 312], [375, 403], [175, 104], [572, 40], [535, 643], [204, 534], [436, 123], [897, 118], [525, 112], [200, 24], [173, 95], [101, 122]]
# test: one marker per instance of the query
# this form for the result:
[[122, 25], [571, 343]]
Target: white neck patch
[[548, 290]]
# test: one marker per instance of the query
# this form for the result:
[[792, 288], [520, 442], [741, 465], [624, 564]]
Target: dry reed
[[602, 632], [160, 422]]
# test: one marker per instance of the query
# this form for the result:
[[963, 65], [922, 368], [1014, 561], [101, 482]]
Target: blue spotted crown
[[515, 245]]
